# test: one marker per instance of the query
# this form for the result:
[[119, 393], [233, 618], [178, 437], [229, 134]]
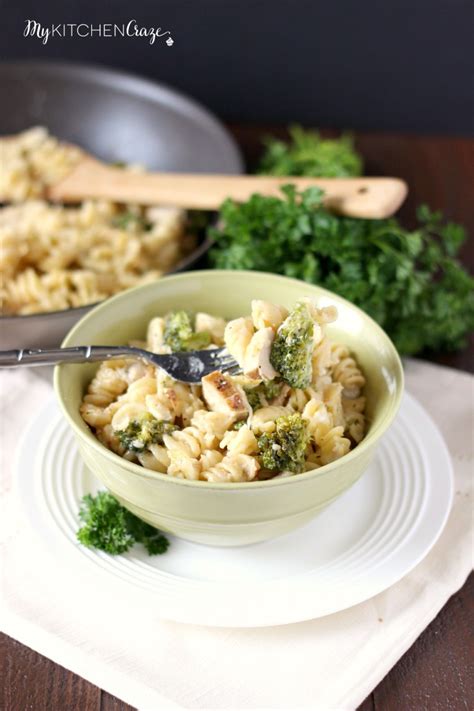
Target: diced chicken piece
[[257, 357], [265, 314], [237, 336], [213, 324], [221, 395]]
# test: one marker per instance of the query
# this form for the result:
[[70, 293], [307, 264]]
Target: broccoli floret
[[197, 341], [285, 448], [293, 347], [130, 219], [239, 424], [178, 329], [179, 334], [263, 393], [140, 433]]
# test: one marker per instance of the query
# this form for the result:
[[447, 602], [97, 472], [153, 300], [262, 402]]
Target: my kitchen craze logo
[[130, 29]]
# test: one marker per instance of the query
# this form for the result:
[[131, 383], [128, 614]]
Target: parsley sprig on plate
[[109, 527]]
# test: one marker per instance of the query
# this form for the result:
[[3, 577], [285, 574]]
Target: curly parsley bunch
[[309, 154], [409, 281], [109, 527]]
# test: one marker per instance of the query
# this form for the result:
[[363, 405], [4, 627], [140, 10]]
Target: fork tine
[[213, 355], [192, 366], [229, 363], [227, 360], [219, 357], [232, 370]]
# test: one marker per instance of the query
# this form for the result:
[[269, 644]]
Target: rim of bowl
[[136, 469]]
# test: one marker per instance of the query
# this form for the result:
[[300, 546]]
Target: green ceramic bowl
[[218, 513]]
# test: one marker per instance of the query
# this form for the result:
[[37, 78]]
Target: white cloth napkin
[[329, 663]]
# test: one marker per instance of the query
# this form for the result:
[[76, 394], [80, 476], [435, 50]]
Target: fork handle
[[53, 356]]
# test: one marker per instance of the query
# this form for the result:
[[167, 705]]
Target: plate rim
[[53, 537]]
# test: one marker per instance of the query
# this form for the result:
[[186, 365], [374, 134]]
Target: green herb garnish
[[409, 281], [109, 527], [309, 154]]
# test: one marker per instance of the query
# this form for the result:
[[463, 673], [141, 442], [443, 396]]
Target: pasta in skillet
[[297, 405], [54, 257]]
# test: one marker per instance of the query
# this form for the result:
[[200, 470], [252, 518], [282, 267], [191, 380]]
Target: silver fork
[[187, 367]]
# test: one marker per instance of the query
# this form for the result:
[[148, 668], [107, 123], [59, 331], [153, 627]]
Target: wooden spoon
[[89, 178], [358, 197]]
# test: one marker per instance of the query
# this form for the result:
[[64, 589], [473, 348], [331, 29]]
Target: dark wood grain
[[30, 681], [110, 703], [436, 674]]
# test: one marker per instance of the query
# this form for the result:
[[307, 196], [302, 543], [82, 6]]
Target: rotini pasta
[[233, 429], [54, 257], [31, 161], [346, 371], [233, 468]]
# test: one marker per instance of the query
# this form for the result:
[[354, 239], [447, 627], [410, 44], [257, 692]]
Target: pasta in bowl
[[237, 459], [297, 405]]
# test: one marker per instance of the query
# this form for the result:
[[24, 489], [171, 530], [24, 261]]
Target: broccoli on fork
[[140, 433], [285, 448], [179, 334], [293, 347]]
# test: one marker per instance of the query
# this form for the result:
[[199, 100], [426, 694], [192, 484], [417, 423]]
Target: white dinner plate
[[361, 544]]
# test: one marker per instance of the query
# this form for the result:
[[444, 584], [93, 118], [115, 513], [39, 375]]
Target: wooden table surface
[[436, 674]]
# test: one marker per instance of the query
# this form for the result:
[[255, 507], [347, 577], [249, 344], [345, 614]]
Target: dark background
[[402, 65]]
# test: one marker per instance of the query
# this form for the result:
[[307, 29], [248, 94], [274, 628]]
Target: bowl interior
[[228, 294]]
